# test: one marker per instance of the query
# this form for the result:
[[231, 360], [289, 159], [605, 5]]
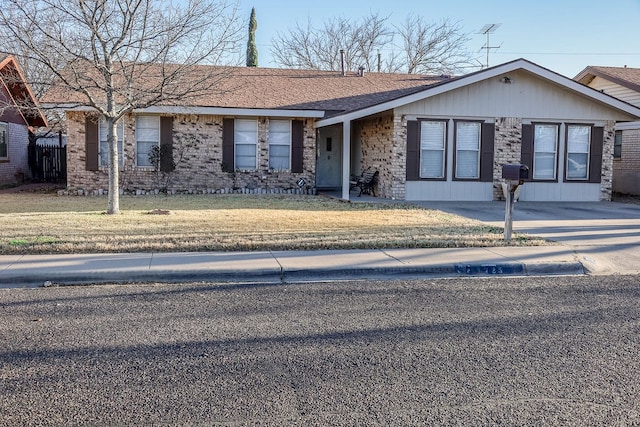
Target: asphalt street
[[496, 351]]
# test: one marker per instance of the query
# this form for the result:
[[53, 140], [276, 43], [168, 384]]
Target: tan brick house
[[624, 84], [431, 138]]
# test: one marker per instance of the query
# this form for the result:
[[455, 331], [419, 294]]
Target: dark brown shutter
[[486, 156], [166, 144], [91, 143], [228, 156], [595, 162], [526, 156], [413, 150], [297, 146]]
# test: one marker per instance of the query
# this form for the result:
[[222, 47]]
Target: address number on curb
[[489, 269]]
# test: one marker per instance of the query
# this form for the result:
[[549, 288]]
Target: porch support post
[[346, 158]]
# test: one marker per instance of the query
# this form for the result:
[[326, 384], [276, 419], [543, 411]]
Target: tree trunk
[[113, 204]]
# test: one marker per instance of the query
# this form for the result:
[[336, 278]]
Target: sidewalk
[[286, 266]]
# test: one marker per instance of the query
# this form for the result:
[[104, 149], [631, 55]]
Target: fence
[[49, 163]]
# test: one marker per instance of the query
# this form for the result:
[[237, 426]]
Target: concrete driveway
[[605, 235]]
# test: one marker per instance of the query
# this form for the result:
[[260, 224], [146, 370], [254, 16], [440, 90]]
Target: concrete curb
[[282, 275]]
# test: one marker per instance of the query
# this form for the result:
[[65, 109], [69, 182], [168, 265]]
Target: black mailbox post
[[514, 175]]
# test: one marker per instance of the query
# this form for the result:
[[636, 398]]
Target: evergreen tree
[[252, 50]]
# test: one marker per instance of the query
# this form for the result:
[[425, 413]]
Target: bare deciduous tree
[[416, 46], [310, 48], [433, 47], [116, 56]]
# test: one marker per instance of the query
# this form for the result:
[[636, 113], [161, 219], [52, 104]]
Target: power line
[[571, 53]]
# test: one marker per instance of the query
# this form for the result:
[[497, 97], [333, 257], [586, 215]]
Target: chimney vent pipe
[[342, 62]]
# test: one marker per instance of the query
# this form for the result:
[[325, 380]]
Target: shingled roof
[[287, 89], [624, 76], [17, 89]]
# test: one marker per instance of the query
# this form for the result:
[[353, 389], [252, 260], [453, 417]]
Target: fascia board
[[223, 111], [216, 111]]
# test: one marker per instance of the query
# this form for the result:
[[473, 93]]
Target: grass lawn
[[44, 223]]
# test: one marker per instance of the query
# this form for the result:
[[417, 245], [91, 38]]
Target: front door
[[329, 158]]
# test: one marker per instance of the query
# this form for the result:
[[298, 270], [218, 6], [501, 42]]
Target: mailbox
[[515, 172]]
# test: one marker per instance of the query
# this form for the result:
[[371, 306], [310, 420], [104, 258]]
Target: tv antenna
[[487, 30]]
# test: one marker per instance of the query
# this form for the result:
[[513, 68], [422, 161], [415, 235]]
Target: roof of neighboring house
[[624, 76], [287, 89], [15, 83]]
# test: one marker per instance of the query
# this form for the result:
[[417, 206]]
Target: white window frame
[[431, 149], [536, 151], [460, 125], [4, 139], [246, 139], [573, 149], [103, 146], [276, 142], [151, 143]]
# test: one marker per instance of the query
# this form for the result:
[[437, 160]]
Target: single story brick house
[[430, 137], [624, 84], [19, 115]]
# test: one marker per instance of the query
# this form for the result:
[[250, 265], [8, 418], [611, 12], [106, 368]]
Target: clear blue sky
[[562, 35]]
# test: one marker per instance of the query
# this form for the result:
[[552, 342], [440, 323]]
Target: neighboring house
[[624, 84], [19, 115], [431, 138]]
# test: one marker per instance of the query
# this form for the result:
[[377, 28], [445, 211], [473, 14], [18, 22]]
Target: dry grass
[[46, 223]]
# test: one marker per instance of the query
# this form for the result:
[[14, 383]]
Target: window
[[578, 142], [147, 137], [279, 144], [245, 136], [4, 141], [545, 147], [103, 154], [432, 149], [467, 150], [617, 145]]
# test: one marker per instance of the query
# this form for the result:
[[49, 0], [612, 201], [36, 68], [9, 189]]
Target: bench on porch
[[365, 182]]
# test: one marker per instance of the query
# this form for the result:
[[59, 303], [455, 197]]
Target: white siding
[[449, 190], [526, 96], [560, 192]]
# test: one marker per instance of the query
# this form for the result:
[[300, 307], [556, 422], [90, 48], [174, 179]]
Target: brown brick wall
[[606, 185], [377, 146], [198, 169], [507, 149]]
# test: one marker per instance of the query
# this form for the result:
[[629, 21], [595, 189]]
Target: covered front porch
[[347, 148]]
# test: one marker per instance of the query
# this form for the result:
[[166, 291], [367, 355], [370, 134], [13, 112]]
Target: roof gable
[[17, 93], [623, 76], [493, 72]]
